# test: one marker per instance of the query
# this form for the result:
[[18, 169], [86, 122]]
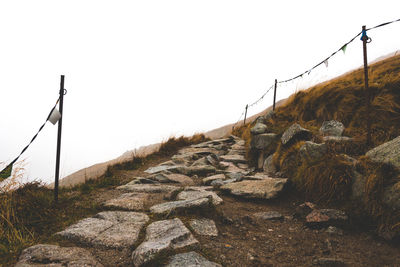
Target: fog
[[139, 72]]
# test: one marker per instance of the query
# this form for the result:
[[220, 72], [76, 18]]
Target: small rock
[[191, 259], [175, 207], [197, 194], [334, 230], [304, 209], [329, 262], [208, 180], [233, 158], [167, 177], [52, 255], [161, 168], [201, 170], [204, 227], [337, 139], [332, 128], [311, 151], [324, 217], [269, 166], [268, 215]]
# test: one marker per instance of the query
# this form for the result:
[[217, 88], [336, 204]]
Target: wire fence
[[325, 61]]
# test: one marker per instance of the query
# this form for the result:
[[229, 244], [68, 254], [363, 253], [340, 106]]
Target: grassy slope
[[344, 99]]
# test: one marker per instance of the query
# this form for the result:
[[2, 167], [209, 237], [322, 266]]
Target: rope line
[[33, 138]]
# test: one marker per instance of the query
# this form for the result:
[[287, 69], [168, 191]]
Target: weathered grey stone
[[388, 153], [175, 207], [163, 236], [295, 132], [198, 188], [112, 229], [391, 196], [213, 159], [233, 158], [324, 217], [201, 161], [259, 128], [128, 201], [167, 177], [190, 259], [265, 189], [209, 179], [204, 227], [197, 194], [269, 166], [311, 151], [268, 215], [334, 230], [332, 128], [263, 141], [229, 167], [148, 188], [256, 176], [161, 168], [238, 176], [243, 166], [52, 255], [218, 183], [199, 152]]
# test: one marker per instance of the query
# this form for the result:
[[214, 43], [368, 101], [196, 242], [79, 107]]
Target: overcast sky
[[138, 72]]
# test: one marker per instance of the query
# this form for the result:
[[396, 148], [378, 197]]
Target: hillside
[[296, 187]]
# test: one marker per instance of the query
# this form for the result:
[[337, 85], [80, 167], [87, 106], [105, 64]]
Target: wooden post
[[245, 114], [59, 140], [365, 40], [273, 107]]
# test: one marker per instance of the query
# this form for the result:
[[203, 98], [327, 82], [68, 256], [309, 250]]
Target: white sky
[[138, 72]]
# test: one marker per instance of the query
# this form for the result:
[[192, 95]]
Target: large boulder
[[269, 166], [110, 229], [311, 151], [263, 141], [295, 132], [388, 153], [52, 255], [332, 128], [267, 188], [259, 128], [163, 236]]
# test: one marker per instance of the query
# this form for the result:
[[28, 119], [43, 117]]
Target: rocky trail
[[206, 207]]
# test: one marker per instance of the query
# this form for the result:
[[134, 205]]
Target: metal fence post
[[366, 40], [245, 115], [273, 107], [59, 140]]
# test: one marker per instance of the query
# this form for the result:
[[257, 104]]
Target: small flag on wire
[[55, 116], [5, 173], [326, 62], [344, 48]]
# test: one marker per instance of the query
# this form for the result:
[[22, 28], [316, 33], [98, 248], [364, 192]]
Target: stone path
[[188, 183]]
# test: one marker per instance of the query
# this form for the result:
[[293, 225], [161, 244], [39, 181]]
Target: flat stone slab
[[233, 158], [175, 207], [257, 176], [197, 194], [268, 215], [52, 255], [324, 217], [173, 178], [209, 179], [148, 188], [204, 227], [190, 259], [231, 167], [201, 170], [128, 201], [110, 229], [163, 236], [161, 168], [265, 189]]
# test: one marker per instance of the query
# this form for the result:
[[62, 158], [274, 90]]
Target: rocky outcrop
[[163, 236]]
